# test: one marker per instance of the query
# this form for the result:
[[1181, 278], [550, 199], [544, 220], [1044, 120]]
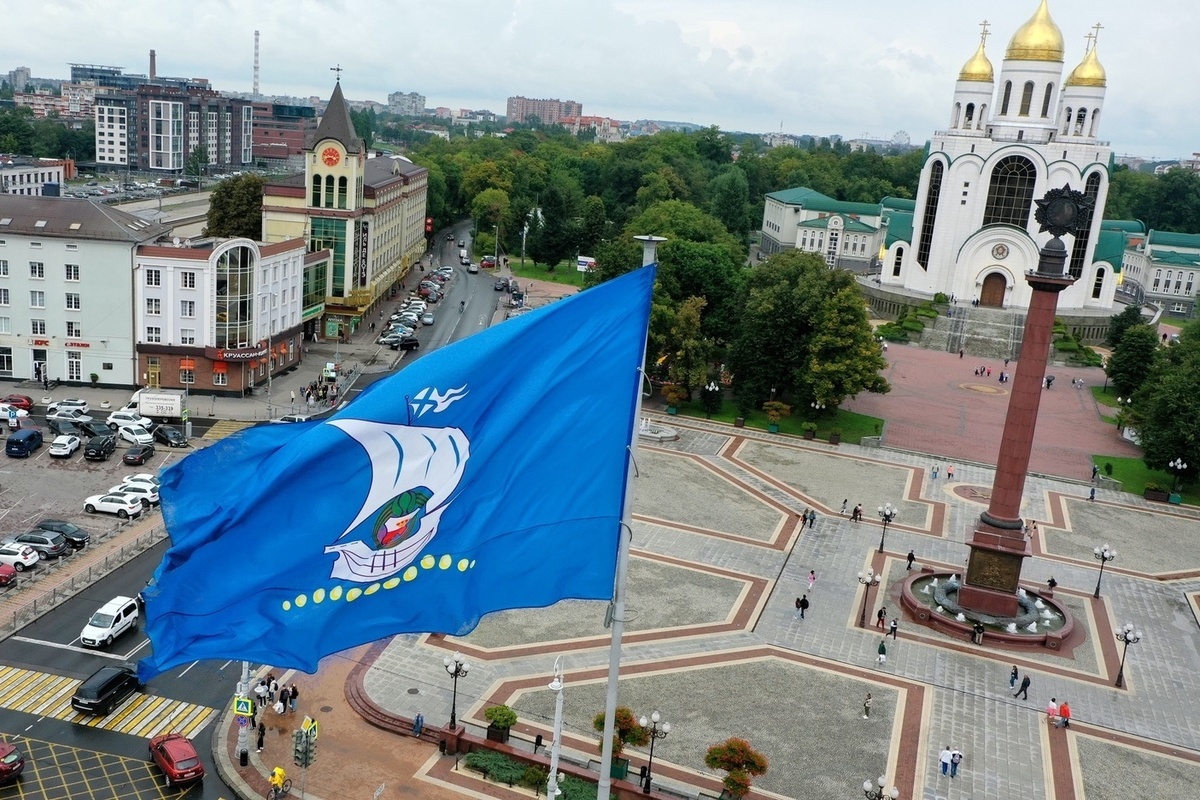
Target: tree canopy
[[1166, 411], [236, 208]]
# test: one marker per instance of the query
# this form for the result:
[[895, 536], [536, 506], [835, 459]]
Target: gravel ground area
[[1144, 542], [1112, 772]]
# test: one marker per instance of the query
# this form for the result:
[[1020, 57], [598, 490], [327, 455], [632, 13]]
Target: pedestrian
[[1024, 690], [418, 724], [293, 397], [799, 610], [285, 695], [977, 632], [45, 382], [844, 504], [1052, 583], [260, 693], [867, 706], [812, 579], [1064, 715], [911, 558], [262, 734], [949, 472], [960, 353], [893, 628], [955, 759], [292, 700], [881, 659], [1052, 712], [1006, 363], [1012, 677], [976, 372], [881, 617], [272, 688], [945, 758], [989, 372], [935, 471], [812, 518], [856, 516], [802, 604], [1092, 494], [1095, 472], [885, 347]]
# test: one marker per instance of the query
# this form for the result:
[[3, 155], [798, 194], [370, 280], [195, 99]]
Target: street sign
[[378, 791], [310, 727], [243, 706], [242, 721], [12, 417]]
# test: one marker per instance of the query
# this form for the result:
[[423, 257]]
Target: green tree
[[730, 196], [236, 208], [489, 208], [364, 125], [678, 219], [1119, 323], [698, 269], [594, 226], [1133, 358], [555, 236], [1166, 412], [844, 357], [688, 361], [196, 163]]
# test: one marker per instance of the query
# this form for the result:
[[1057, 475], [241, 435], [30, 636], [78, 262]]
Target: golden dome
[[978, 68], [1039, 39], [1089, 72]]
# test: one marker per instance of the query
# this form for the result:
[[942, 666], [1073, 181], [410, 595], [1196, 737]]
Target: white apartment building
[[66, 292], [113, 130], [28, 176]]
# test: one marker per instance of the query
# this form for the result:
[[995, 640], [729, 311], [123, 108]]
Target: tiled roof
[[72, 218], [384, 170], [899, 203]]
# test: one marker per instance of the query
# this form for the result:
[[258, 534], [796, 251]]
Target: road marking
[[71, 647], [48, 695]]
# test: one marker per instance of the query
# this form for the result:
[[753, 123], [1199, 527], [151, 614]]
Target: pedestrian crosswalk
[[225, 427], [47, 695]]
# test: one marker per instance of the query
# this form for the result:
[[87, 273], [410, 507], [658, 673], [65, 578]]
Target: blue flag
[[487, 475]]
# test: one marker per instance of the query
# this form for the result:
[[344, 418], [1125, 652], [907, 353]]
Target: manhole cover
[[414, 691], [326, 709]]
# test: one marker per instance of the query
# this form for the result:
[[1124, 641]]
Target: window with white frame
[[187, 308], [37, 269], [3, 268], [153, 334], [74, 366], [3, 295], [187, 335], [220, 379], [37, 299], [5, 324], [74, 303], [1178, 308], [153, 306], [37, 327], [187, 280], [72, 271], [1157, 280], [187, 376], [74, 330], [154, 277], [6, 361]]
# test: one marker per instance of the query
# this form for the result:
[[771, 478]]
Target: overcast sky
[[870, 67]]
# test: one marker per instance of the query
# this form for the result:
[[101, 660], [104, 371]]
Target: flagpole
[[617, 608]]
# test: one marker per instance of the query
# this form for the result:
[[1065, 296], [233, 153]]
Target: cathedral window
[[316, 191], [1026, 98], [970, 115], [982, 115], [342, 192], [1091, 188], [897, 261], [1067, 122], [1010, 194], [1046, 101], [1191, 276], [1007, 96], [925, 244], [1098, 284], [328, 191], [1092, 126], [954, 119], [1080, 117]]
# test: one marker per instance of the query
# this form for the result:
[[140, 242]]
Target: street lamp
[[1122, 403], [1177, 466], [1104, 555], [818, 406], [1127, 636], [656, 731], [457, 667], [881, 793], [496, 251], [887, 513], [867, 579]]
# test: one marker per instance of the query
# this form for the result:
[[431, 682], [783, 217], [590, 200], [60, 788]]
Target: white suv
[[119, 419]]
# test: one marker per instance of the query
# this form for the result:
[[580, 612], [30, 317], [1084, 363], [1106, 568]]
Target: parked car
[[489, 262], [11, 762], [119, 419], [18, 556], [104, 690], [501, 285], [170, 436], [47, 544], [473, 268], [138, 454], [18, 400], [434, 296], [427, 318], [135, 434], [65, 446], [99, 448], [70, 402], [292, 418], [123, 505], [7, 574], [72, 415], [76, 536], [142, 477], [93, 428], [62, 427], [406, 343], [176, 756], [111, 620], [22, 443], [20, 412], [462, 242], [146, 492]]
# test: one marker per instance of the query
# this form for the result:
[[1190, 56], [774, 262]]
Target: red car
[[176, 757], [11, 762], [7, 574], [19, 401]]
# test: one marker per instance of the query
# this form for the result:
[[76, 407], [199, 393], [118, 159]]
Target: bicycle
[[274, 793], [462, 306]]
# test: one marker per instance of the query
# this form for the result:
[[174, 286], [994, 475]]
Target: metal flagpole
[[556, 686], [243, 740]]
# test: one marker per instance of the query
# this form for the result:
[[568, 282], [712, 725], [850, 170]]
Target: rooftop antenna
[[256, 64]]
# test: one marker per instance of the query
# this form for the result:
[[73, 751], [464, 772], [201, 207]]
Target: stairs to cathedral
[[978, 331]]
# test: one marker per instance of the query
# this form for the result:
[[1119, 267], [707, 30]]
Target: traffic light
[[299, 748], [310, 752]]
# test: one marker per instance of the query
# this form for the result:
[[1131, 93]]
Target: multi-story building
[[1165, 266], [74, 101], [29, 176], [280, 131], [368, 212], [218, 316], [66, 293], [548, 112], [607, 130], [408, 105], [114, 130], [847, 235]]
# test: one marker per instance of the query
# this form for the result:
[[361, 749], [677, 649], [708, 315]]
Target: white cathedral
[[1009, 141]]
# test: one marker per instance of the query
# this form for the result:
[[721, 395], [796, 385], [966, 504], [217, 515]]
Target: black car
[[104, 690], [138, 454], [501, 285], [61, 427], [170, 436], [93, 428], [99, 448], [47, 543], [76, 536], [449, 237], [405, 343]]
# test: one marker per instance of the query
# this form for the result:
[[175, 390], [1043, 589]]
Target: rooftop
[[64, 217]]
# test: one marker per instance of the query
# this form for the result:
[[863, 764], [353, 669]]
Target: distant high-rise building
[[19, 78], [408, 105], [548, 112]]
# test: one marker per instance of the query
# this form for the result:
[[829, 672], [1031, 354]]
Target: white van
[[462, 257], [114, 618]]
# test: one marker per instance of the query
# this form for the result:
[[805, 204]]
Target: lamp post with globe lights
[[1126, 635], [867, 579], [1104, 555], [1178, 467], [884, 792], [656, 732], [887, 513], [457, 667]]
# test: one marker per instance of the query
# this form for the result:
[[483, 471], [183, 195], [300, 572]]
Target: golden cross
[[1091, 40], [338, 70], [984, 32], [1096, 37]]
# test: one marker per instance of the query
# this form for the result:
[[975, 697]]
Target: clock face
[[331, 156], [1000, 251]]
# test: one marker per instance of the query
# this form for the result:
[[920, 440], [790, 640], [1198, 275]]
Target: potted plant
[[741, 761], [500, 719], [625, 731], [95, 379], [775, 412], [809, 429], [675, 397], [835, 436], [1155, 492]]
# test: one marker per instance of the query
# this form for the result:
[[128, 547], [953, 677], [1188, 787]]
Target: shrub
[[1066, 346], [674, 395], [776, 410], [493, 765], [927, 313], [534, 777], [1154, 487], [625, 731], [1108, 468], [941, 298], [892, 332], [501, 716], [736, 757], [913, 325]]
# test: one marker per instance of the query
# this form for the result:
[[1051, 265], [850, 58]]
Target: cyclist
[[462, 304], [278, 776]]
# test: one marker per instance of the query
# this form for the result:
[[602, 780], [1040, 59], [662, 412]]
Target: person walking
[[812, 518], [1052, 712], [949, 472], [285, 696], [293, 397], [956, 758], [1064, 715], [856, 515], [881, 658], [802, 604], [912, 556], [799, 610], [935, 471], [272, 689], [1092, 494], [1012, 677], [881, 617], [945, 758], [1024, 690], [894, 628], [867, 706], [844, 504], [1095, 472], [262, 734], [977, 633], [812, 579], [292, 700]]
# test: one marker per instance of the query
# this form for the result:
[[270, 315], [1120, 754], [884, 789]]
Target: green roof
[[1172, 239], [813, 200], [1110, 247], [849, 224], [899, 203], [1174, 258], [900, 227], [1127, 225]]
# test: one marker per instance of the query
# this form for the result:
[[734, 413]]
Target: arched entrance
[[993, 290]]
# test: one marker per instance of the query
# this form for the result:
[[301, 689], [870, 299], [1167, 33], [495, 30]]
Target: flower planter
[[495, 734], [672, 410], [1156, 495], [835, 438], [810, 434], [620, 768], [773, 427], [739, 422]]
